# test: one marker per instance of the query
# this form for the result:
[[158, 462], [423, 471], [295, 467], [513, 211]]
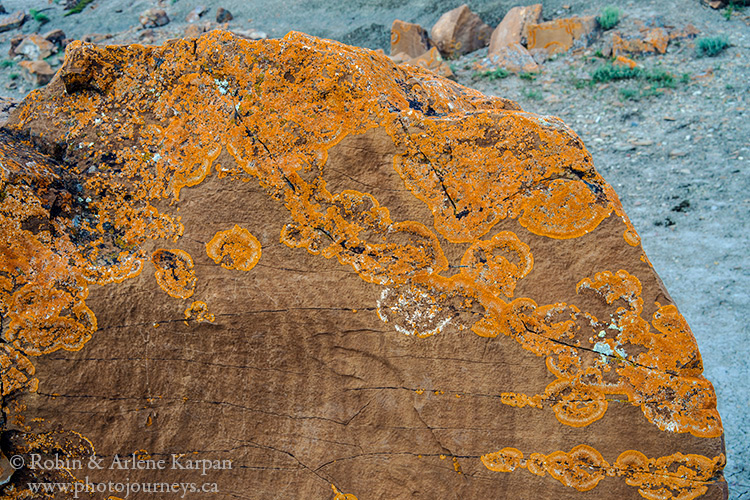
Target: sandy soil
[[679, 157]]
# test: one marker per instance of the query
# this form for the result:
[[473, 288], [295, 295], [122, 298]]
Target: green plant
[[599, 54], [38, 16], [660, 78], [527, 76], [13, 76], [628, 95], [78, 7], [609, 72], [609, 18], [711, 46], [7, 63], [685, 78], [495, 74], [534, 94]]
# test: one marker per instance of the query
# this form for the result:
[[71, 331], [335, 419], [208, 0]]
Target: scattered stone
[[14, 43], [223, 15], [35, 48], [677, 153], [2, 9], [653, 41], [515, 58], [624, 61], [36, 72], [153, 18], [460, 31], [193, 31], [56, 37], [561, 35], [195, 14], [12, 21], [409, 38], [540, 56], [514, 28], [689, 31]]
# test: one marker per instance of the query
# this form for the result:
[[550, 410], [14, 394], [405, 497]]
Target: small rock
[[623, 147], [12, 21], [36, 72], [540, 56], [223, 15], [677, 153], [641, 142], [624, 61], [2, 9], [460, 31], [15, 42], [654, 41], [561, 35], [409, 38], [35, 48], [11, 85], [195, 14], [514, 28], [193, 31], [56, 37], [153, 18], [514, 58]]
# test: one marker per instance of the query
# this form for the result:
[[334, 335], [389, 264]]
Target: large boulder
[[295, 269], [460, 31]]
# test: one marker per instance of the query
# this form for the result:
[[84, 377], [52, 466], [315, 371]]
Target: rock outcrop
[[293, 267]]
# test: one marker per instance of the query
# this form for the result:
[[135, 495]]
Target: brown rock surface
[[460, 31], [12, 21], [514, 27], [223, 15], [409, 38], [653, 40], [35, 48], [515, 58], [338, 276], [561, 35], [36, 72], [153, 18]]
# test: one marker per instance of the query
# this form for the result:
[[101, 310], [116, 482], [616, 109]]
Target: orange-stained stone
[[409, 38], [624, 61], [234, 248], [561, 35], [460, 31], [514, 28], [654, 40]]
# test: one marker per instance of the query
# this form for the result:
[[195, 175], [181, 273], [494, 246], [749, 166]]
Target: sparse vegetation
[[495, 74], [534, 94], [13, 76], [609, 18], [38, 16], [528, 76], [628, 94], [7, 63], [78, 7], [711, 46], [610, 72]]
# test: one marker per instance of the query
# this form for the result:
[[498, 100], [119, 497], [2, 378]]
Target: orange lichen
[[174, 272], [499, 274], [198, 311], [583, 467], [234, 248], [559, 35], [342, 496]]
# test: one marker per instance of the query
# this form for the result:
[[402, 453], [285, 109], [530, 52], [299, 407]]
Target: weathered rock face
[[338, 277], [409, 39], [560, 35], [460, 31]]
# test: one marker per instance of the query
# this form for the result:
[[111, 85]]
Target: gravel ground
[[678, 157]]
